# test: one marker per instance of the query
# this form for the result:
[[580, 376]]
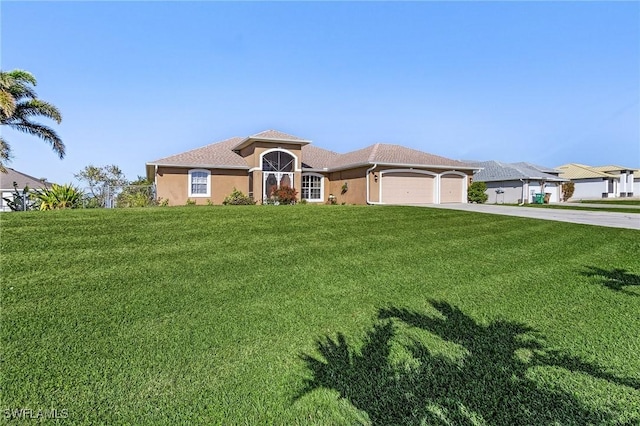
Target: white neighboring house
[[599, 182], [517, 183], [21, 180]]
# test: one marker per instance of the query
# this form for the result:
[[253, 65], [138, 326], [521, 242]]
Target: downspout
[[155, 181], [367, 175], [522, 199]]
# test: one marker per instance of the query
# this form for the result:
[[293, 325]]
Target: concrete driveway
[[610, 219]]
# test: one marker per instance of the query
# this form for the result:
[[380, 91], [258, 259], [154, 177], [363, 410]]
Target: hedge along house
[[257, 164]]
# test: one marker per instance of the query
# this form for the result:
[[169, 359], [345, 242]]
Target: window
[[277, 161], [199, 183], [312, 187]]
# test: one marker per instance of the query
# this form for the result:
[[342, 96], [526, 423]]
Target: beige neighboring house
[[21, 180], [257, 164], [599, 182]]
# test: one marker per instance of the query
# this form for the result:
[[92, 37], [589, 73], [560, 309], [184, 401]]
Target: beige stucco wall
[[356, 182], [173, 185], [252, 152]]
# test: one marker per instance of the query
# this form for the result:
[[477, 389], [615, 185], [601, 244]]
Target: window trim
[[312, 200], [190, 183]]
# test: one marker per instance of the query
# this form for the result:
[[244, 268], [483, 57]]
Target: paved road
[[610, 219]]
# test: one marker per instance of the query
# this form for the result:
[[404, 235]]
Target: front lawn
[[317, 315], [621, 201], [604, 208]]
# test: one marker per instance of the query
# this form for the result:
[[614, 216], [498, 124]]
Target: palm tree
[[18, 105]]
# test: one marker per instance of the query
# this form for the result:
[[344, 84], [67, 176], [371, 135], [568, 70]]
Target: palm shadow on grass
[[615, 279], [489, 385]]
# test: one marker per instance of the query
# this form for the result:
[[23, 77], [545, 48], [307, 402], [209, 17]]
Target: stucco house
[[21, 180], [256, 164], [599, 182], [517, 183]]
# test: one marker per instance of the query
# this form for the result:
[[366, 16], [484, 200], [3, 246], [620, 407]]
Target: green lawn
[[634, 210], [320, 315], [632, 202]]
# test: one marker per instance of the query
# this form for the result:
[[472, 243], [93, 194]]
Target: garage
[[407, 188], [451, 188]]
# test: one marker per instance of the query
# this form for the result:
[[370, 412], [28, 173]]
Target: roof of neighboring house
[[493, 171], [223, 155], [22, 180], [537, 167], [215, 155], [580, 171], [611, 168]]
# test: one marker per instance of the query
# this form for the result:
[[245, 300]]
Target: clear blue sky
[[544, 82]]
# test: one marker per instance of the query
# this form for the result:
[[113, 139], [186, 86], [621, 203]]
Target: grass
[[634, 202], [318, 315], [597, 209]]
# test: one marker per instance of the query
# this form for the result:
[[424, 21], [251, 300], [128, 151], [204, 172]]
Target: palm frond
[[35, 107], [5, 154], [7, 105], [43, 132]]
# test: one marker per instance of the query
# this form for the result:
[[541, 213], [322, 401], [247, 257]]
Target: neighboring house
[[517, 183], [599, 182], [21, 180], [255, 165]]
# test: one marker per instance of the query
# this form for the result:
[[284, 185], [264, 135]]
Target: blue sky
[[544, 82]]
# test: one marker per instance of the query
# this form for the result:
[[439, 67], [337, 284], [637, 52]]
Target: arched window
[[278, 161]]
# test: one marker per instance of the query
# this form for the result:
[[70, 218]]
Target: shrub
[[237, 198], [190, 202], [284, 195], [59, 197], [567, 190], [20, 201], [476, 192]]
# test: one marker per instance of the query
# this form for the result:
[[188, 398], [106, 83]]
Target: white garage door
[[407, 188], [451, 188]]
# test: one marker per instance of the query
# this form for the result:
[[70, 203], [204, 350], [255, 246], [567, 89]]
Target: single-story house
[[257, 164], [599, 182], [21, 180], [517, 183]]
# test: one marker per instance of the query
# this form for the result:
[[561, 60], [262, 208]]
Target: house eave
[[199, 166], [404, 165], [249, 140]]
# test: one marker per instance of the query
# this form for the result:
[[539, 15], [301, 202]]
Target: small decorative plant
[[345, 188], [237, 198], [332, 200], [284, 195]]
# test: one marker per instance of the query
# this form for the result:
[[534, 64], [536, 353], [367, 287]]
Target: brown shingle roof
[[217, 155], [317, 158], [222, 155], [383, 153], [276, 135], [7, 179]]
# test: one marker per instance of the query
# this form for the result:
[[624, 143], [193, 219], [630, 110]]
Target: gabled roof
[[388, 154], [580, 171], [22, 180], [271, 136], [494, 171], [216, 155]]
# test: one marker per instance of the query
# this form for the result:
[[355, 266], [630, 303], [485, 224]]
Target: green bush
[[237, 198], [476, 193], [59, 197]]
